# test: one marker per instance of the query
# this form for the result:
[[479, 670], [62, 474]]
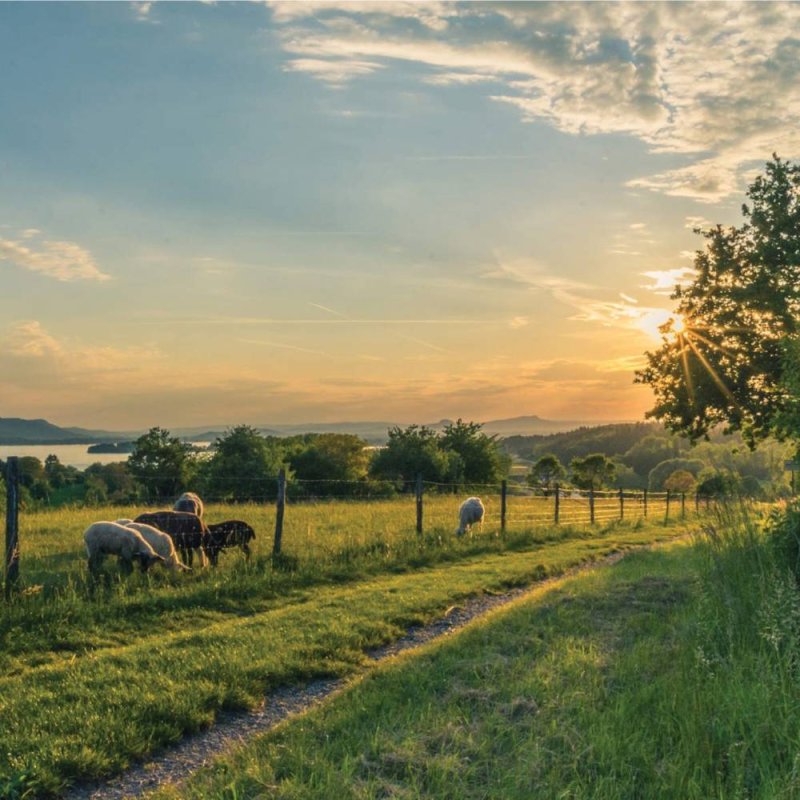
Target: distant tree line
[[646, 456], [243, 465]]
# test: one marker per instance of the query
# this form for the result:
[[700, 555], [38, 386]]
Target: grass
[[92, 680], [674, 674]]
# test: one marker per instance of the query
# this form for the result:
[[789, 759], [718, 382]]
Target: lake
[[72, 455]]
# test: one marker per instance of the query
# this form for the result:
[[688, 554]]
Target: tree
[[660, 473], [414, 451], [161, 464], [652, 450], [724, 360], [481, 459], [244, 466], [335, 463], [680, 481], [593, 471], [546, 472]]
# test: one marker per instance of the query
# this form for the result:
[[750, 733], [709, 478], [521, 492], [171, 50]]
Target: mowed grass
[[673, 674], [93, 678]]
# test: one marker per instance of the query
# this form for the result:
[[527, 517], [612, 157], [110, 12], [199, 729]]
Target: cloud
[[518, 322], [716, 84], [64, 261], [664, 281]]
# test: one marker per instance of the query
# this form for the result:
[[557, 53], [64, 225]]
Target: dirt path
[[175, 764]]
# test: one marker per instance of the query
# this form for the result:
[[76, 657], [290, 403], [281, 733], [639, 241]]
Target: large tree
[[724, 358], [161, 463]]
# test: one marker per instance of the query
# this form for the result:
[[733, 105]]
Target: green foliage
[[161, 463], [729, 365], [662, 471], [613, 440], [244, 466], [460, 455], [546, 472], [715, 483], [592, 472], [681, 481], [651, 450]]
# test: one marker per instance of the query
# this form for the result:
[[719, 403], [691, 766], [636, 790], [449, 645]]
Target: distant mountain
[[40, 431]]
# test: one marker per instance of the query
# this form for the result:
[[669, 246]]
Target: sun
[[678, 326]]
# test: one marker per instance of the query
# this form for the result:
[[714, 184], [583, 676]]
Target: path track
[[175, 764]]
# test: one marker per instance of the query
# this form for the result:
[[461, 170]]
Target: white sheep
[[161, 543], [470, 512], [111, 539], [190, 502]]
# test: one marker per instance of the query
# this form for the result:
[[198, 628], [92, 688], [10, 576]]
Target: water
[[71, 455]]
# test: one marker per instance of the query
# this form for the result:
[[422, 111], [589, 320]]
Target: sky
[[225, 213]]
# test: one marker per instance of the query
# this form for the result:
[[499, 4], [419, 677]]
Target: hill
[[14, 430]]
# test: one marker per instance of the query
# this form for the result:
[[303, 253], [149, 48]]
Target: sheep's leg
[[125, 565], [246, 549]]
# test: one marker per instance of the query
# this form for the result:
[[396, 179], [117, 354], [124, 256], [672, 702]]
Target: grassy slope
[[84, 702], [638, 681]]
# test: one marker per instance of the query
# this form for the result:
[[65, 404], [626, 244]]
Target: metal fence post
[[280, 506], [666, 513], [644, 501], [683, 505], [503, 494], [591, 505], [12, 524], [621, 504]]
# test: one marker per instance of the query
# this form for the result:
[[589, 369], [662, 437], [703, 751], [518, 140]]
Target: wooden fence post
[[419, 502], [683, 505], [591, 505], [621, 504], [503, 494], [666, 513], [557, 504], [280, 505], [644, 501], [12, 524]]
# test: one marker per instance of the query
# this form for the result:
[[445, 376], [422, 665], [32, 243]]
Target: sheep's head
[[146, 560]]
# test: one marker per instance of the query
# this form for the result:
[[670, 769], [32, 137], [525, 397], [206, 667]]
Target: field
[[95, 676]]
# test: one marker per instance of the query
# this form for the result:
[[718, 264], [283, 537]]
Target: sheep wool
[[109, 538], [470, 513], [161, 543]]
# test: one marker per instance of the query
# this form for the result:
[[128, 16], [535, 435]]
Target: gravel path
[[174, 764]]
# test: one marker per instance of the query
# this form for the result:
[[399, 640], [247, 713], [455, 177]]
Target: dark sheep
[[190, 502], [231, 533], [188, 532]]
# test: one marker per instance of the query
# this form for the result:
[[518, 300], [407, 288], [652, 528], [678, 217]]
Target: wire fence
[[306, 513]]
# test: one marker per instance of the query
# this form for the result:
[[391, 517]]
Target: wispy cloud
[[664, 281], [718, 83], [64, 261]]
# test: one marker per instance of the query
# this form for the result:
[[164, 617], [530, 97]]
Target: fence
[[320, 508]]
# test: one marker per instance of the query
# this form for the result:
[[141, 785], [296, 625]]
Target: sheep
[[190, 502], [187, 531], [160, 542], [470, 512], [231, 533], [109, 538]]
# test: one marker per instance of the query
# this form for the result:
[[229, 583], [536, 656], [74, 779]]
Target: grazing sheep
[[160, 542], [470, 512], [231, 533], [190, 502], [188, 532], [108, 538]]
